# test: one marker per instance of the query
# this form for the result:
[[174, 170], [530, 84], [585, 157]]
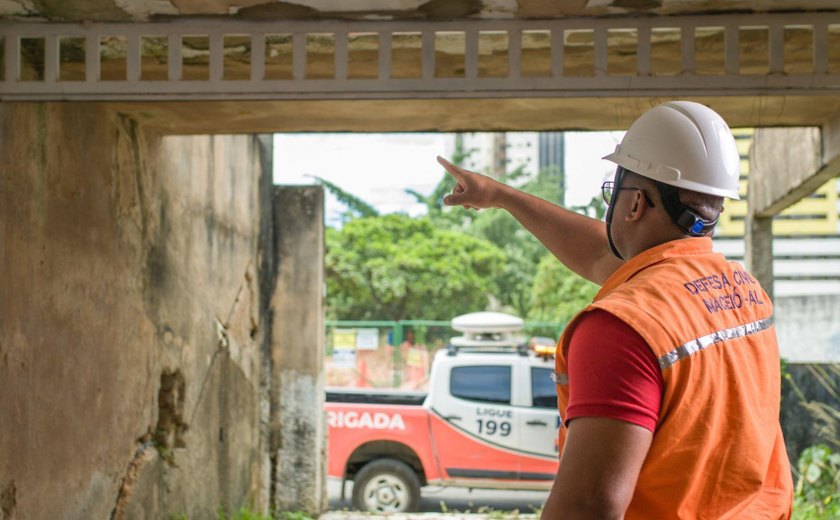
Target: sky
[[379, 167]]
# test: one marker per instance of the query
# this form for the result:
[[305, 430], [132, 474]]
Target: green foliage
[[522, 250], [515, 280], [826, 417], [818, 487], [559, 293], [245, 513], [444, 264], [396, 267], [488, 512], [356, 207], [817, 494], [294, 515], [434, 201], [595, 209]]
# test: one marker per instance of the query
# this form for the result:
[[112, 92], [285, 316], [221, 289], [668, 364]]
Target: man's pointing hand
[[473, 190]]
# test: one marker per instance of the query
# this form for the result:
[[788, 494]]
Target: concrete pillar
[[298, 429], [786, 164], [758, 253]]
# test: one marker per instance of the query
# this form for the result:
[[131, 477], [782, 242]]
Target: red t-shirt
[[612, 372]]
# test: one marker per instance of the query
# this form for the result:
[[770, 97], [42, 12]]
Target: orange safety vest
[[718, 450]]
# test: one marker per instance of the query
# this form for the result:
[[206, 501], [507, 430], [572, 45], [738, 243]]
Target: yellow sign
[[344, 339], [415, 359]]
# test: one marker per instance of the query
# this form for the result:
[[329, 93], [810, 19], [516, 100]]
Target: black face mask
[[616, 188]]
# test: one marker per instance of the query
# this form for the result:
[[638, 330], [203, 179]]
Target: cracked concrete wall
[[131, 345]]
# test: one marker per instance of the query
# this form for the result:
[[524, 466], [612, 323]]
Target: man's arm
[[576, 240], [598, 470]]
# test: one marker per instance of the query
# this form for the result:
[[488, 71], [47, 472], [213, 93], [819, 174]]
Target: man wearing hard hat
[[669, 382]]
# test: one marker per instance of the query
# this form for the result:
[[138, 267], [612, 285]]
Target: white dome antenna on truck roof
[[487, 330]]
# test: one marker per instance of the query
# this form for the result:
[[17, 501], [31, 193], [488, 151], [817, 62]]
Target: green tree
[[356, 207], [434, 201], [595, 209], [511, 282], [558, 293], [817, 493], [449, 217], [396, 267], [523, 251]]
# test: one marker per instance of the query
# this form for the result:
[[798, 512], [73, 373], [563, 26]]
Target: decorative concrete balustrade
[[205, 59]]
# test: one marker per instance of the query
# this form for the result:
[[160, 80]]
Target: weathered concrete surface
[[450, 115], [782, 160], [141, 10], [298, 440], [129, 320], [808, 327]]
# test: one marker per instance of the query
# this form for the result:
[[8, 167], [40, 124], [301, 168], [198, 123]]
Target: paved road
[[453, 499]]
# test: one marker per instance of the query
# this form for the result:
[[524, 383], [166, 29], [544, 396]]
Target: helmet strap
[[616, 187], [684, 217]]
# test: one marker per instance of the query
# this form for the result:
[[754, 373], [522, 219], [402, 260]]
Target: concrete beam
[[788, 164], [298, 429], [455, 115], [782, 161]]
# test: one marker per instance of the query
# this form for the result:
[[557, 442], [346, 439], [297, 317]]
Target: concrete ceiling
[[145, 10], [431, 114]]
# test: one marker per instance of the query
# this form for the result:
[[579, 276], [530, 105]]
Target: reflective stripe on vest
[[559, 379], [703, 342]]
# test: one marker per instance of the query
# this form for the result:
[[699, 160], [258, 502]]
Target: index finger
[[457, 171]]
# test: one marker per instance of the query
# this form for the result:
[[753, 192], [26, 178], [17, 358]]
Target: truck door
[[473, 423], [540, 419]]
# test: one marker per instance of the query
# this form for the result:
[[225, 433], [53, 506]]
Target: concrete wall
[[131, 344], [298, 424], [808, 328]]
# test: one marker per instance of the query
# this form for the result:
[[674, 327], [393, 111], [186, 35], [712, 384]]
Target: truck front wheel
[[386, 486]]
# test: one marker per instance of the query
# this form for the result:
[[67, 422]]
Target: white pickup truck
[[489, 420]]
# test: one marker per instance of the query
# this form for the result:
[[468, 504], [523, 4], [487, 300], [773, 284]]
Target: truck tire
[[386, 486]]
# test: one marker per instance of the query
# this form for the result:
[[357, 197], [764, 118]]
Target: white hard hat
[[683, 144]]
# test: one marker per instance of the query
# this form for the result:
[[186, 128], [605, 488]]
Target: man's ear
[[637, 207]]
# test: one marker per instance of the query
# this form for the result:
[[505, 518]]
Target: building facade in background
[[499, 154], [806, 244]]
